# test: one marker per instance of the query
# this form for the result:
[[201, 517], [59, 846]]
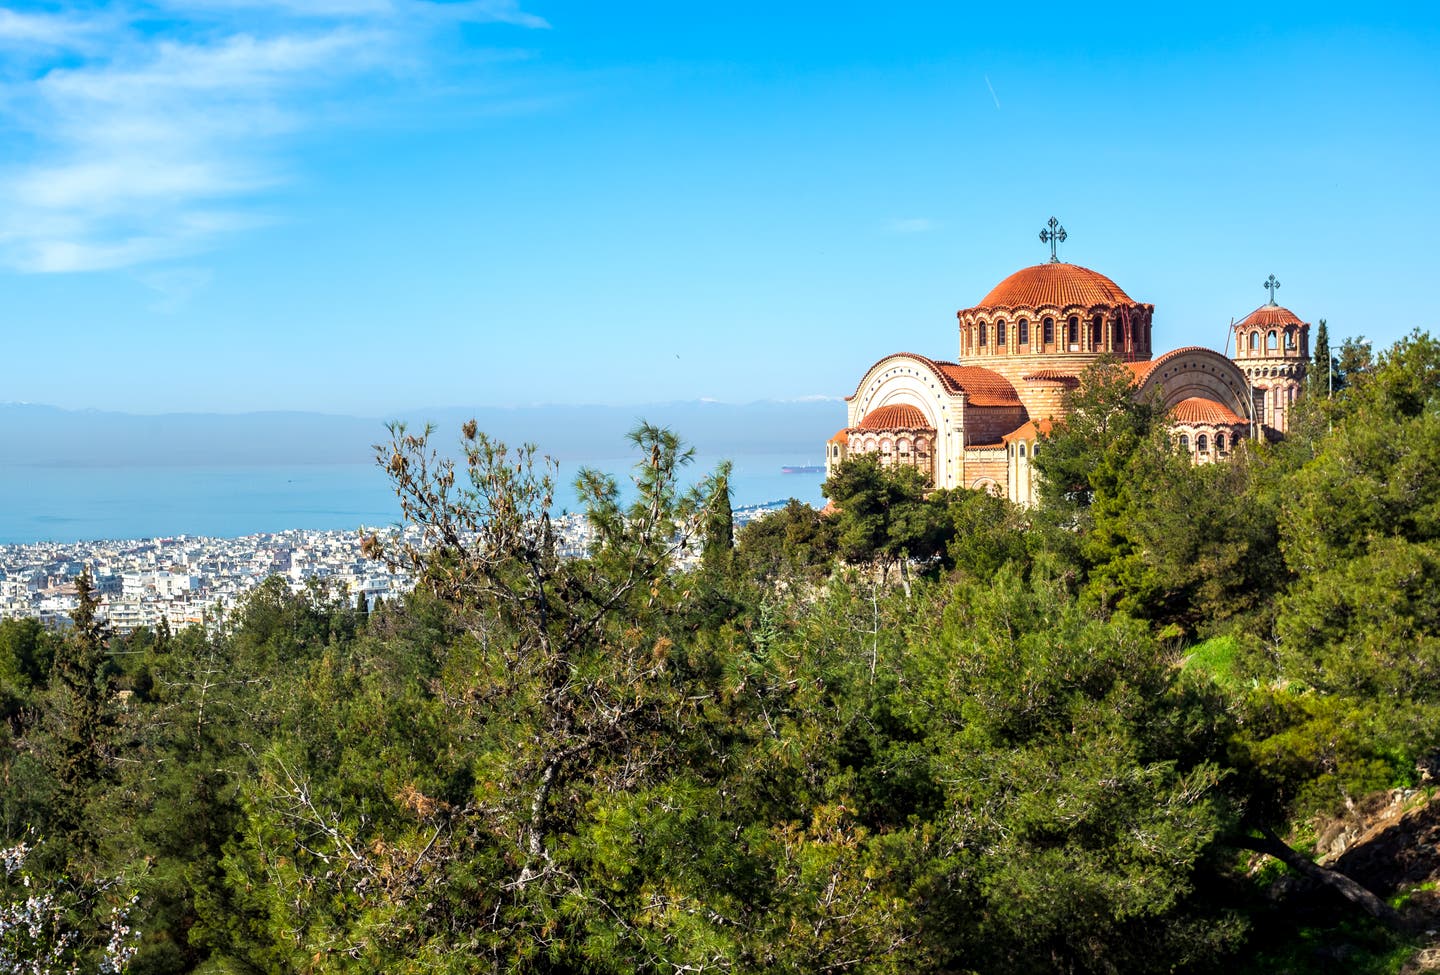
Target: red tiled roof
[[1198, 410], [1268, 315], [897, 416], [1029, 430], [841, 436], [1140, 369], [980, 386], [1057, 284]]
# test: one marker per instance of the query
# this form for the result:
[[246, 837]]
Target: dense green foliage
[[1061, 743]]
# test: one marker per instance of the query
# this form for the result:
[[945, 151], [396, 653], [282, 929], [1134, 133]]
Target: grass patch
[[1215, 658]]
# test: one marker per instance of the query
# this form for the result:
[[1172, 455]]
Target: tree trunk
[[1270, 844]]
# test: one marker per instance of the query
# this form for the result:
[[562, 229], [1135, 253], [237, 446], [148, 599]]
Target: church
[[976, 422]]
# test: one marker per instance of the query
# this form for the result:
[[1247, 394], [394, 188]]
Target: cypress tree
[[720, 522], [81, 689], [1322, 366]]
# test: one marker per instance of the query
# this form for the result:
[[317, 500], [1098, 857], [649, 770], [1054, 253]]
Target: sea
[[82, 503]]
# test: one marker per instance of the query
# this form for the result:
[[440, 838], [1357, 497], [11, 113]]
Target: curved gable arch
[[1205, 373]]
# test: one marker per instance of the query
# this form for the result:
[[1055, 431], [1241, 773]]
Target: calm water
[[79, 503]]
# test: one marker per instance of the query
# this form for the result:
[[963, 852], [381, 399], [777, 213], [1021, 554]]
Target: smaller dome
[[1267, 316], [1205, 412], [1058, 284], [897, 416]]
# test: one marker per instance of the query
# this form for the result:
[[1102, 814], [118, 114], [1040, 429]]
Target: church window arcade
[[1049, 334], [1022, 336], [1000, 335]]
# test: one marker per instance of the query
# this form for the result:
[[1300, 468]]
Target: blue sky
[[363, 206]]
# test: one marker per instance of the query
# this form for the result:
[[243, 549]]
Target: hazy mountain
[[45, 435]]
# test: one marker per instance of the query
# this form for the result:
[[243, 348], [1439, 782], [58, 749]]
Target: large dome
[[1055, 284]]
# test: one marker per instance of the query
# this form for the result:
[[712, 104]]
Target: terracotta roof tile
[[1029, 430], [1056, 284], [897, 416], [841, 437], [1140, 369], [1268, 315], [980, 386], [1198, 410], [1052, 376]]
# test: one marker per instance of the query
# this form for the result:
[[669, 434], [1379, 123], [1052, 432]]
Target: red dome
[[1200, 411], [898, 416], [1268, 315], [1057, 284]]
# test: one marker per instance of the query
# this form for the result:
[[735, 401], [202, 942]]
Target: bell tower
[[1272, 348]]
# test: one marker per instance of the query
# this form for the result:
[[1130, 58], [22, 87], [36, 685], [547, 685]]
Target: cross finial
[[1055, 234], [1270, 286]]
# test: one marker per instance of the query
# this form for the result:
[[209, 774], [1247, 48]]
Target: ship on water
[[804, 469]]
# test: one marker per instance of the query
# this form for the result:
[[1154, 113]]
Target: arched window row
[[1101, 333]]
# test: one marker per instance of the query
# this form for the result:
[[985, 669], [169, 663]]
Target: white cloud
[[135, 143], [176, 286]]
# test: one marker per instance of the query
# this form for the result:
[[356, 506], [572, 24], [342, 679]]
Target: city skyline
[[358, 206]]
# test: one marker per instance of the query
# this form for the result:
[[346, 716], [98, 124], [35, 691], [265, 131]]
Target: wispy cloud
[[174, 287], [992, 92], [910, 225], [135, 142]]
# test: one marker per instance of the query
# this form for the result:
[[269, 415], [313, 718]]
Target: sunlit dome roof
[[1058, 284], [1269, 315], [897, 416]]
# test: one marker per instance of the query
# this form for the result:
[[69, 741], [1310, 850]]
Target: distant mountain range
[[45, 435]]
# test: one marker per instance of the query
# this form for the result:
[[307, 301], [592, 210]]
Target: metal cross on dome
[[1054, 235], [1270, 286]]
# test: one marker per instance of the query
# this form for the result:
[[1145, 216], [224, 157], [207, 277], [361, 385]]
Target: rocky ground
[[1391, 844]]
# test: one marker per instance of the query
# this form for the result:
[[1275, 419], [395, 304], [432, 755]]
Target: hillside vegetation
[[931, 733]]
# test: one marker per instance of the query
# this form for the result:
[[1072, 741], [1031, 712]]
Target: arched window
[[904, 446], [1202, 443], [1072, 334], [1035, 452], [1022, 450], [1220, 442], [1023, 333], [1096, 338], [1270, 342], [1184, 443], [1049, 331], [1290, 339], [1000, 334], [1254, 341], [982, 335]]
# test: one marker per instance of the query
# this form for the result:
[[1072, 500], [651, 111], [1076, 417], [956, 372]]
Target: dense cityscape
[[187, 579]]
